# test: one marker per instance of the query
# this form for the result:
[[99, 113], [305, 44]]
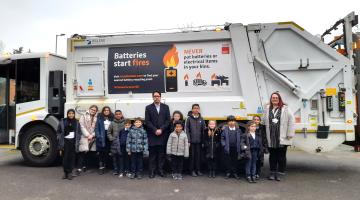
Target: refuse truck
[[228, 70]]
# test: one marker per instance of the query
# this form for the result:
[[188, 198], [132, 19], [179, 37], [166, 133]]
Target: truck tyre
[[39, 146]]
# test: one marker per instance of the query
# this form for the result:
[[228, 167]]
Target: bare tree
[[2, 46], [18, 51]]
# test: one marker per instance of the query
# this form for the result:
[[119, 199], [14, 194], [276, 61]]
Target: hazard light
[[218, 29]]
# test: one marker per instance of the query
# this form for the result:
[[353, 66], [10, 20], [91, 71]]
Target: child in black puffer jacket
[[212, 142]]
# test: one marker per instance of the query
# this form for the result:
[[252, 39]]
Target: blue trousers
[[250, 167]]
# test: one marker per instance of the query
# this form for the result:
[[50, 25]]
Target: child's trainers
[[121, 175], [78, 172], [179, 177], [128, 174], [139, 176], [132, 176]]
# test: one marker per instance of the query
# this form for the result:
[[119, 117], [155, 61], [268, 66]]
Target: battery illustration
[[171, 60], [171, 79]]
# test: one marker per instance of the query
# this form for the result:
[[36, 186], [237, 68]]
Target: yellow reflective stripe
[[255, 114], [29, 111], [315, 131], [224, 118], [4, 146], [292, 23]]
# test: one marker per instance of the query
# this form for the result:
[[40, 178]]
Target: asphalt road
[[328, 176]]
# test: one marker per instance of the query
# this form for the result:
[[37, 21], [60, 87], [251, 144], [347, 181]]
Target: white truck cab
[[31, 101]]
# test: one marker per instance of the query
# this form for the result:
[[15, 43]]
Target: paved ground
[[329, 176]]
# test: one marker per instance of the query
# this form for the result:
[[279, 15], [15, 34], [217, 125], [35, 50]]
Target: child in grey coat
[[177, 148]]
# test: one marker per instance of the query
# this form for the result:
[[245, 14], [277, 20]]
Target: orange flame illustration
[[213, 76], [198, 75], [171, 58], [186, 77]]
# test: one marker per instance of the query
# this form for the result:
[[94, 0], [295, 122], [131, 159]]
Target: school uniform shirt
[[254, 141]]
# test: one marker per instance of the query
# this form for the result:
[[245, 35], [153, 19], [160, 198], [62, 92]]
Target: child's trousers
[[136, 162], [177, 164], [124, 160], [250, 166]]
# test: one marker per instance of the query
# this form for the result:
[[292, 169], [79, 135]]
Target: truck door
[[7, 101]]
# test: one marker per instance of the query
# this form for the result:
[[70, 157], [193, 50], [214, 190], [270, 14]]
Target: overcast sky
[[34, 24]]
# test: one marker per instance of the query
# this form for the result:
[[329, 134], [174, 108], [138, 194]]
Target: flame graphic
[[186, 77], [171, 58], [198, 75], [213, 76]]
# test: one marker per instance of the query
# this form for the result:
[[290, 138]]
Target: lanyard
[[276, 111]]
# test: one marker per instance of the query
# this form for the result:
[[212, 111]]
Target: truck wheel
[[38, 146]]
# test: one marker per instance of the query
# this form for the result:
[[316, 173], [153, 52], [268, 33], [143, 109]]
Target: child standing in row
[[103, 122], [260, 130], [253, 148], [113, 135], [195, 126], [124, 159], [137, 147], [212, 141], [177, 148], [231, 141]]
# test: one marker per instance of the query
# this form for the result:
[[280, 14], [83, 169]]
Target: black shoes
[[152, 175], [132, 176], [139, 176], [193, 174], [68, 176], [272, 176], [253, 179], [236, 176], [65, 176], [279, 176], [161, 173], [101, 170], [276, 176], [211, 174], [78, 172], [249, 179], [227, 175]]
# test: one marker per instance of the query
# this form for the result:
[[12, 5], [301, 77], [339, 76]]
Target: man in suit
[[157, 119]]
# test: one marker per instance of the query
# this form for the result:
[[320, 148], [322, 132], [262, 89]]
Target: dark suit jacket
[[154, 121]]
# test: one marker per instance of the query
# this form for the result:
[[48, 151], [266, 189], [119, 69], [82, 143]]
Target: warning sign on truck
[[183, 67]]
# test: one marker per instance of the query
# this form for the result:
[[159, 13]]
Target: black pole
[[7, 99]]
